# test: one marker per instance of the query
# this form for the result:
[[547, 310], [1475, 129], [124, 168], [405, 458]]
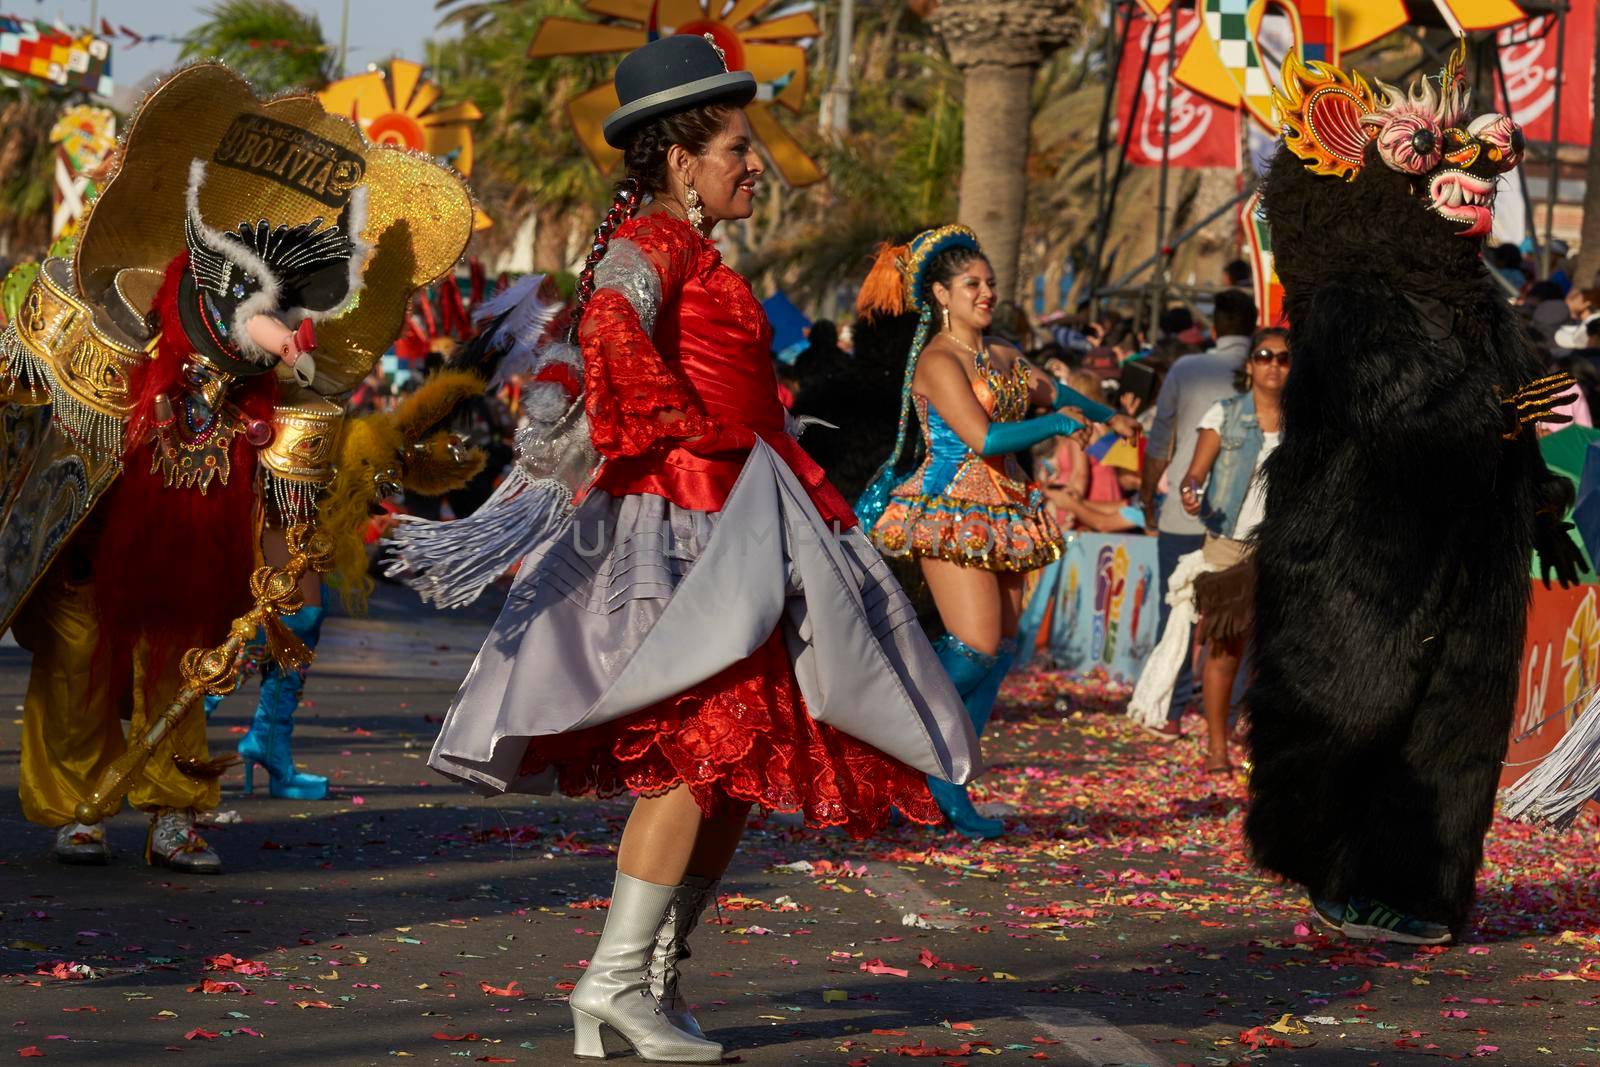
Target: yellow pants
[[72, 717]]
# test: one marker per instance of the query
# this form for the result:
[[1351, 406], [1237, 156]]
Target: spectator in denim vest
[[1194, 383], [1224, 489]]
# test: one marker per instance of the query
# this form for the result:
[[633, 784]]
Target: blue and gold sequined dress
[[971, 510]]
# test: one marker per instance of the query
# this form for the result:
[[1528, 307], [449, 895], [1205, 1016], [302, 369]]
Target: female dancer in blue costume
[[967, 515]]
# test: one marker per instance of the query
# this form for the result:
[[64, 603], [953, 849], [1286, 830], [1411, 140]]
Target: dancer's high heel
[[615, 992], [267, 743]]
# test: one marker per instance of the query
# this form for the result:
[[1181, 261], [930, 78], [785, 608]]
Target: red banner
[[1204, 134], [1528, 58], [1560, 662]]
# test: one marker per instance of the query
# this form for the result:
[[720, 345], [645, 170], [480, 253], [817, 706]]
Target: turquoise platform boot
[[976, 677], [267, 743]]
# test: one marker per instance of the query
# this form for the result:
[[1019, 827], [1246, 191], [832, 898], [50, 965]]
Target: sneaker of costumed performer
[[739, 641], [967, 515]]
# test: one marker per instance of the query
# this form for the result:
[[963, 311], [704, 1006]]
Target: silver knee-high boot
[[615, 991], [689, 900]]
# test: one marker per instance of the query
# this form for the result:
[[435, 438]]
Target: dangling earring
[[691, 204], [945, 311]]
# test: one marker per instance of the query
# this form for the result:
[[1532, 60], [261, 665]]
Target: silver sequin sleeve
[[626, 270]]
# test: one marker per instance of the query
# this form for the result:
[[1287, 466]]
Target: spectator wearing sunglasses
[[1224, 488], [1192, 385]]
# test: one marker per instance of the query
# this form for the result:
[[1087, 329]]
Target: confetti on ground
[[1120, 907]]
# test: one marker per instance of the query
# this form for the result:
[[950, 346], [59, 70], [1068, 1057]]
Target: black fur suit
[[1394, 557]]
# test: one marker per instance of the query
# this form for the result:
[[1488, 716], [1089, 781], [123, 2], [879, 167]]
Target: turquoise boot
[[976, 677], [981, 703], [267, 743]]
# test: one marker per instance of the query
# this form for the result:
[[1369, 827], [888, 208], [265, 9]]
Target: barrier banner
[[1560, 662], [1094, 610]]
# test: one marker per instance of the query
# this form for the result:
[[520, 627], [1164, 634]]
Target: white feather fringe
[[450, 564], [1568, 777], [527, 316]]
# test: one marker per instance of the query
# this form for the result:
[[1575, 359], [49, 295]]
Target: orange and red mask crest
[[1330, 117]]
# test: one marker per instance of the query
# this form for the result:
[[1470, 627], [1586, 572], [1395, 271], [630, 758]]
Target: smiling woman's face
[[970, 296], [726, 174]]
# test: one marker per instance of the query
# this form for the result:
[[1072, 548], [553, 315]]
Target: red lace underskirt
[[743, 734]]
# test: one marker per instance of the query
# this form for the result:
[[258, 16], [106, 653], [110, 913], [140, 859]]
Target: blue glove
[[1006, 437], [1068, 397]]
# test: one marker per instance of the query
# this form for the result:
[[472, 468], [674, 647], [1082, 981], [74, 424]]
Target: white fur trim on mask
[[360, 250], [246, 261]]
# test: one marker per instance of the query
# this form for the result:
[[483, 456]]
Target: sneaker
[[82, 843], [1329, 913], [173, 842], [1368, 920]]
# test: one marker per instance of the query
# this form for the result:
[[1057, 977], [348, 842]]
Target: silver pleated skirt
[[635, 600]]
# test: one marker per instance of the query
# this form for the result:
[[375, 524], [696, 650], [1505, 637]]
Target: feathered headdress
[[884, 290]]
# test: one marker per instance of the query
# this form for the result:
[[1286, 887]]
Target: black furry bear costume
[[1393, 561]]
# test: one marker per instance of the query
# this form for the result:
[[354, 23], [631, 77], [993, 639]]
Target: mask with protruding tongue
[[1423, 132], [1337, 121]]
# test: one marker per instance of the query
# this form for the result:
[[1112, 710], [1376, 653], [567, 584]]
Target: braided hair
[[624, 205], [645, 161], [942, 269]]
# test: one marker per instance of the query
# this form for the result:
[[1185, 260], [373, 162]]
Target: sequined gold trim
[[298, 464], [60, 348]]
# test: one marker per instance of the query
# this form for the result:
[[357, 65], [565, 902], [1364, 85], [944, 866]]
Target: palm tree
[[271, 42], [526, 159], [999, 46]]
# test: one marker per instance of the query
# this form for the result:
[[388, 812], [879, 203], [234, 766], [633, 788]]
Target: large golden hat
[[290, 162]]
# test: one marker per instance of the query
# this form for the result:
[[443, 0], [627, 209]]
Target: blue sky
[[378, 28]]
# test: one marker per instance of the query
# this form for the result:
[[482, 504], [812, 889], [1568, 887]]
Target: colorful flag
[[1258, 241], [73, 60]]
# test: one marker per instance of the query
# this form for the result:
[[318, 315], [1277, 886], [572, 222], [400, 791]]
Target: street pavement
[[1119, 923]]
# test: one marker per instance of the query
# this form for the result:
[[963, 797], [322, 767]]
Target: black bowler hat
[[673, 74]]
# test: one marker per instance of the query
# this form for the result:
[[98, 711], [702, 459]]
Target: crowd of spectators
[[850, 377]]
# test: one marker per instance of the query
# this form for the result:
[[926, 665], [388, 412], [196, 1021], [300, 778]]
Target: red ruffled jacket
[[676, 411]]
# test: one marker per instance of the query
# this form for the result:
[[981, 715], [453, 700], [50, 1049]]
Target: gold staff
[[216, 670]]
